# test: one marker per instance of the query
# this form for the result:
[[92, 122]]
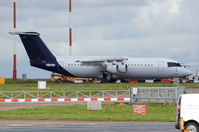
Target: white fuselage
[[132, 68]]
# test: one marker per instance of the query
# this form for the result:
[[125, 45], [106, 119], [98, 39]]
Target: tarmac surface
[[85, 126], [193, 90]]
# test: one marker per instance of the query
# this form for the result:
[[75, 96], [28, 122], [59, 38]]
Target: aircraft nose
[[183, 72], [187, 72]]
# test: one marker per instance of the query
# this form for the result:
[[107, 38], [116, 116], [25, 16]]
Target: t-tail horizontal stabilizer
[[24, 33], [40, 56]]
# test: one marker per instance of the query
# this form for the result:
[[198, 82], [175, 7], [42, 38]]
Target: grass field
[[110, 112], [31, 85]]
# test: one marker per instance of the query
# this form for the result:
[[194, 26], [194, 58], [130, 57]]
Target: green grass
[[110, 112], [31, 85]]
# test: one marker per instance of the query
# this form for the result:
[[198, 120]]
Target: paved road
[[193, 90], [129, 127]]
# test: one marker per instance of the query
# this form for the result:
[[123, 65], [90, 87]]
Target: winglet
[[24, 33]]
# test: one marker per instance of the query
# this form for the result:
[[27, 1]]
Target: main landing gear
[[107, 78]]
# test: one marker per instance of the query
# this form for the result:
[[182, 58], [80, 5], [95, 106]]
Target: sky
[[135, 28]]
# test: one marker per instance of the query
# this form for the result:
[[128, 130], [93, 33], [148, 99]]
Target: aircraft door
[[176, 71], [161, 66]]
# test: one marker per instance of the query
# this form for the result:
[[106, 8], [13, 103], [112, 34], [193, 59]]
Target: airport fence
[[156, 94], [133, 95]]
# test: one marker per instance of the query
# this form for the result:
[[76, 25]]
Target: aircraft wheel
[[59, 80]]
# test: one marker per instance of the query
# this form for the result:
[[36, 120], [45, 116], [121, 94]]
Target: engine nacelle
[[112, 68], [122, 68]]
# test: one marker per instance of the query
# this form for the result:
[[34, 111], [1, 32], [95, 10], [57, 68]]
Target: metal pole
[[70, 27], [70, 37], [130, 95], [14, 14], [14, 77]]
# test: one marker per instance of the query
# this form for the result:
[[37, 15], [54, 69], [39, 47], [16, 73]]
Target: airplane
[[107, 68]]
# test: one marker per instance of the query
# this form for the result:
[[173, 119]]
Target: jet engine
[[122, 68], [112, 68]]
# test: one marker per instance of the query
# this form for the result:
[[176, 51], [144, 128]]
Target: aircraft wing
[[102, 61]]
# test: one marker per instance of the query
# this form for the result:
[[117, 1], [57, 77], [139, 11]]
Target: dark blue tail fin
[[40, 56], [35, 48]]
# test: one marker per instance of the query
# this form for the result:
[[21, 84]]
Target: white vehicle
[[188, 109], [107, 68]]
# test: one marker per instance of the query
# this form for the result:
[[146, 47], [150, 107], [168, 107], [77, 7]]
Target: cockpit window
[[173, 64]]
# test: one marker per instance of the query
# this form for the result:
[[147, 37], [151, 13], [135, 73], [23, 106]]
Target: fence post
[[130, 95], [51, 94], [90, 95], [64, 94], [77, 94], [176, 94], [24, 95], [11, 95]]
